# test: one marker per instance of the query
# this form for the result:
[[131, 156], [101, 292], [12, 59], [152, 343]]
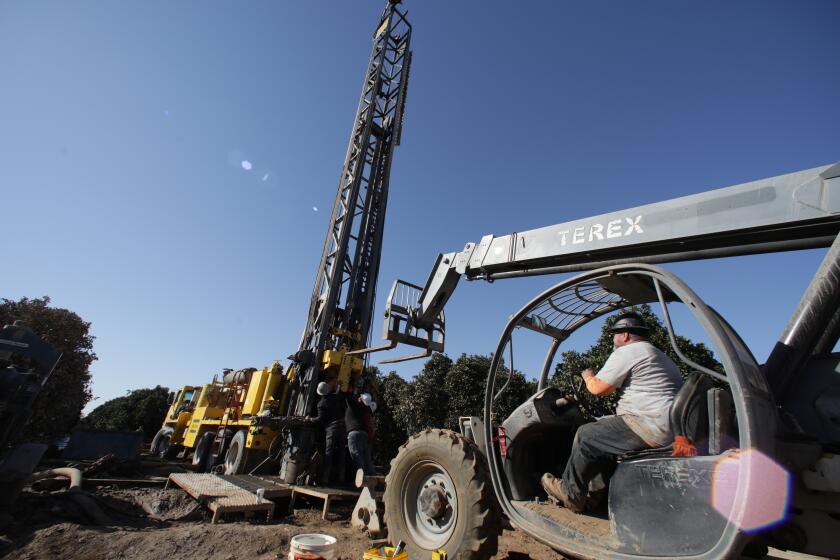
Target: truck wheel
[[438, 495], [161, 441], [235, 456], [203, 449]]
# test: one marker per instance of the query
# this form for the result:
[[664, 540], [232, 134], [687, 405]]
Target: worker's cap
[[366, 399], [323, 388], [630, 322], [373, 406]]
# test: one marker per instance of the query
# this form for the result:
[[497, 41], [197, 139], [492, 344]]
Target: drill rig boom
[[344, 292]]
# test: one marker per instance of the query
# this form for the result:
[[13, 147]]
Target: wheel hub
[[432, 502]]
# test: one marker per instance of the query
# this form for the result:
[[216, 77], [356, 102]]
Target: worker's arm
[[321, 411], [596, 386]]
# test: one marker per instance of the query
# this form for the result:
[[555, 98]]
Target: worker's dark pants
[[360, 451], [334, 455], [594, 451]]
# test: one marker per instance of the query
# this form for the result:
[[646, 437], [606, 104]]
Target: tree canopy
[[438, 395], [61, 401], [141, 408]]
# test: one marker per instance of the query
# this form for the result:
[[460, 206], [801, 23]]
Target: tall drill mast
[[345, 287]]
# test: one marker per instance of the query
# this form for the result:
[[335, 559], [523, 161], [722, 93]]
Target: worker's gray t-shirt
[[649, 381]]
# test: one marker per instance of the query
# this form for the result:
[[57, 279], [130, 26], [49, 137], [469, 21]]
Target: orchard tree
[[141, 408], [391, 431], [426, 401], [466, 384], [514, 394], [567, 377], [60, 403]]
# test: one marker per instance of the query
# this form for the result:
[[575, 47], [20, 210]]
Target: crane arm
[[799, 210]]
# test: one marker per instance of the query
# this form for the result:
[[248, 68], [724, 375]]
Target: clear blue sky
[[123, 126]]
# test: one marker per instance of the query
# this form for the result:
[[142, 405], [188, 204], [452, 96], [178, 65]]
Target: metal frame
[[753, 398], [347, 273]]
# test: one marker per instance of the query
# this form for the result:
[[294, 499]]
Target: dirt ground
[[167, 524]]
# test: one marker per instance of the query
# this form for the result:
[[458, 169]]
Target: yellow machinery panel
[[180, 427], [261, 390], [338, 365], [202, 418], [256, 390], [260, 438]]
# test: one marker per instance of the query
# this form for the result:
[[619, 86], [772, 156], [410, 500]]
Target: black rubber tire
[[163, 435], [235, 457], [203, 451], [474, 533]]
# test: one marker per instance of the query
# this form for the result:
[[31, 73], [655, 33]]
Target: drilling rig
[[250, 421], [341, 305]]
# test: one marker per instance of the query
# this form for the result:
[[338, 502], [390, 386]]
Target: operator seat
[[690, 417], [690, 423]]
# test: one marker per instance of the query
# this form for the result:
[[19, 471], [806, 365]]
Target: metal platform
[[269, 487], [221, 496]]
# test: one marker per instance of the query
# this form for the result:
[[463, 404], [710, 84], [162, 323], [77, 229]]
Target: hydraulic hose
[[75, 492], [75, 476]]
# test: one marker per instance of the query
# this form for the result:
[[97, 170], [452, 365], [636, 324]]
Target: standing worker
[[355, 419], [649, 381], [331, 416]]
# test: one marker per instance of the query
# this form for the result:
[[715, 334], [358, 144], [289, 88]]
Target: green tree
[[516, 392], [61, 401], [466, 384], [141, 408], [391, 432], [566, 374], [426, 401]]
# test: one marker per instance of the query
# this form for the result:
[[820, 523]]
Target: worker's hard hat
[[372, 406], [630, 322], [323, 388], [366, 399]]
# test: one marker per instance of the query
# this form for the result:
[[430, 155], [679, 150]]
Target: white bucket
[[320, 544]]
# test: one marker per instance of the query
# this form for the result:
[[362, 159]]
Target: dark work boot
[[556, 490]]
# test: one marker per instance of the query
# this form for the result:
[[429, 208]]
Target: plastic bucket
[[313, 543]]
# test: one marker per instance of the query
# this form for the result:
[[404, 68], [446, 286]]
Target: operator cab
[[656, 502]]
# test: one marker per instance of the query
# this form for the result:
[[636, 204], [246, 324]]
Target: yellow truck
[[215, 422]]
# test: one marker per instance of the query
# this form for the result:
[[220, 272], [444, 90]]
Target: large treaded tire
[[235, 457], [161, 441], [203, 451], [444, 456]]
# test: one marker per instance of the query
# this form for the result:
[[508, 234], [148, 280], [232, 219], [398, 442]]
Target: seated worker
[[649, 380], [331, 417]]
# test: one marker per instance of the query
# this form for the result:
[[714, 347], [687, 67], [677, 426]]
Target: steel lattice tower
[[345, 286]]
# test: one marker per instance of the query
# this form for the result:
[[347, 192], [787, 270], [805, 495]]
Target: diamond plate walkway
[[220, 495]]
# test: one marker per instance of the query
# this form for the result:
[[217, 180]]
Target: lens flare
[[751, 490]]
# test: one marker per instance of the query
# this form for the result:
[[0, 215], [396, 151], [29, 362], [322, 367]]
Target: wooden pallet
[[221, 496], [329, 495]]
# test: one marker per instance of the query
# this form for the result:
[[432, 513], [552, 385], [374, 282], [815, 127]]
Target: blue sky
[[124, 128]]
